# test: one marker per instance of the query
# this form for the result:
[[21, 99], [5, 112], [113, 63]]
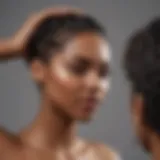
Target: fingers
[[37, 18], [31, 24], [60, 10]]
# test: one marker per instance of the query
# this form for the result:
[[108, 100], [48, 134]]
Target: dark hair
[[142, 66], [54, 31]]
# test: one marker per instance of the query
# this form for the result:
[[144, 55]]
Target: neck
[[52, 128], [155, 146]]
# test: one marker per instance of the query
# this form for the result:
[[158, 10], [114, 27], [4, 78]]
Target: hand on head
[[18, 42]]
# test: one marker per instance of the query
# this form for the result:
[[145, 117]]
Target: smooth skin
[[69, 83]]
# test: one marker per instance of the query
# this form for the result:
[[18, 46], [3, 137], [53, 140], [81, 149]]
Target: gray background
[[18, 95]]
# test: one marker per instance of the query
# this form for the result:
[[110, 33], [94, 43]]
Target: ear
[[38, 70], [137, 104]]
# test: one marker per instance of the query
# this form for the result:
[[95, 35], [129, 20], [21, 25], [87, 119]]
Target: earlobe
[[37, 70]]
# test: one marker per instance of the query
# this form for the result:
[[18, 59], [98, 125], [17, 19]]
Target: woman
[[142, 65], [68, 55]]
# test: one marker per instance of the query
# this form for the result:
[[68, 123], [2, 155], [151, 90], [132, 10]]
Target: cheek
[[64, 78], [105, 85], [62, 86]]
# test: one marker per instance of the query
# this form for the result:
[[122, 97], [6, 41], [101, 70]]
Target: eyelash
[[104, 72], [79, 69]]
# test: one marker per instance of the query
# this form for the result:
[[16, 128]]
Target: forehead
[[88, 45]]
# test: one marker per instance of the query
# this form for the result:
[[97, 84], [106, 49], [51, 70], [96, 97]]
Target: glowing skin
[[72, 85]]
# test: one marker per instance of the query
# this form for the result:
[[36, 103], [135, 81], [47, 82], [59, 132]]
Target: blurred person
[[142, 67]]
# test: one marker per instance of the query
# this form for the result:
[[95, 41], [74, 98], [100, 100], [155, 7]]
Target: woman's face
[[77, 79]]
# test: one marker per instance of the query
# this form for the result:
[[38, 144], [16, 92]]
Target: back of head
[[55, 31], [142, 66]]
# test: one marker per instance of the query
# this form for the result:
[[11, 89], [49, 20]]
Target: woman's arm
[[8, 49], [15, 46]]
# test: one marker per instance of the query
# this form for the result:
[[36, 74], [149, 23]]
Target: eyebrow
[[88, 60], [83, 60]]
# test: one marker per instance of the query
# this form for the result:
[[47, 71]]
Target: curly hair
[[142, 68]]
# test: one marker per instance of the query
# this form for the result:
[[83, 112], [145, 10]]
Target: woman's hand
[[15, 46]]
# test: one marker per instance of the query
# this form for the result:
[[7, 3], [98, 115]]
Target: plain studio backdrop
[[18, 95]]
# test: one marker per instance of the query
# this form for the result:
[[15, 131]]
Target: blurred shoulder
[[106, 152]]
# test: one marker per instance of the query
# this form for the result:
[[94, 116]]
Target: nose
[[93, 81]]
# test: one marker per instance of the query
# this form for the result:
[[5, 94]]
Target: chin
[[85, 119]]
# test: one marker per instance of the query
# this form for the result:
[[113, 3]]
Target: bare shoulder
[[97, 151], [105, 152]]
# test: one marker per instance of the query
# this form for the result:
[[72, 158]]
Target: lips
[[90, 103]]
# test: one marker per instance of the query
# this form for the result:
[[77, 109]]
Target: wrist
[[13, 46]]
